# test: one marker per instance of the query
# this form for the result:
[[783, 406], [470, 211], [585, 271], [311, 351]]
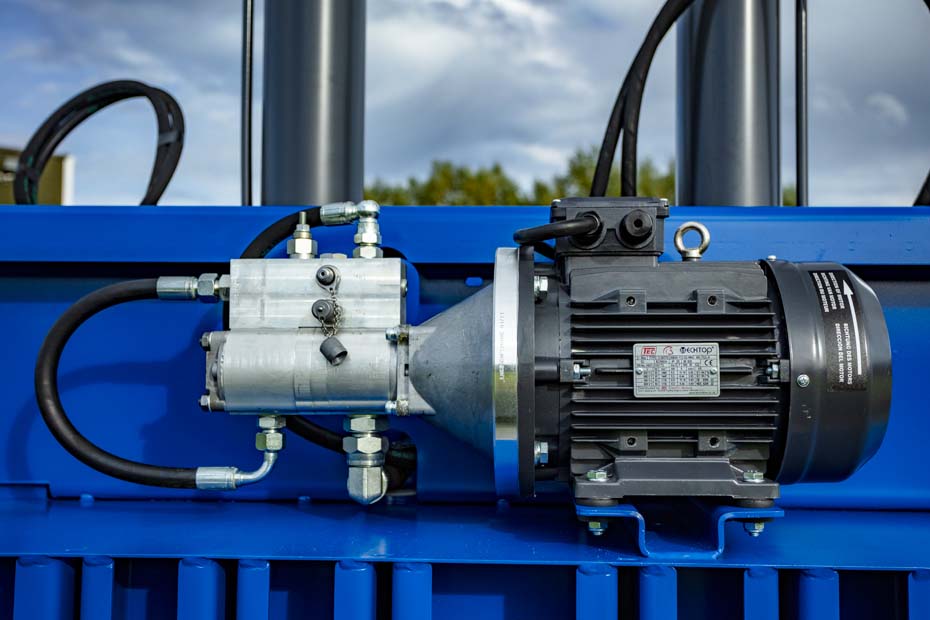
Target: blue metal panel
[[760, 594], [97, 588], [44, 589], [253, 590], [355, 592], [819, 595], [658, 593], [918, 594], [412, 592], [201, 590], [596, 595], [294, 575]]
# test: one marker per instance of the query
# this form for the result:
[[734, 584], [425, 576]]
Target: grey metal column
[[728, 104], [314, 101]]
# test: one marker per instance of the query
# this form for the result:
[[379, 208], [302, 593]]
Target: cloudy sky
[[520, 82]]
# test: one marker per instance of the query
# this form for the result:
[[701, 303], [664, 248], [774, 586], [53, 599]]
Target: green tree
[[450, 184], [789, 196]]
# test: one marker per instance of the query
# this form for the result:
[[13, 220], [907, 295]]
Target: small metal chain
[[331, 327]]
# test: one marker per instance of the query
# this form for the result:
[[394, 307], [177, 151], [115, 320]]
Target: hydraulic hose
[[49, 401], [56, 128], [625, 113]]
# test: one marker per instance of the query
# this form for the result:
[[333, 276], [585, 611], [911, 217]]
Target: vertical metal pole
[[800, 98], [314, 101], [728, 104]]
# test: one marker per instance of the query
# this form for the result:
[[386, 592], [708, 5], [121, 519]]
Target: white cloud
[[888, 109]]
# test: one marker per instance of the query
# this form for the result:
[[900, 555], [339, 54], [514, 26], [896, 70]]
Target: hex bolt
[[773, 370], [597, 475], [753, 476], [205, 402], [580, 372], [205, 341], [597, 528], [803, 381], [754, 528], [540, 288], [390, 407]]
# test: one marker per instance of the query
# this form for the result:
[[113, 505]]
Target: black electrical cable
[[49, 401], [56, 127], [245, 155], [566, 228], [624, 117]]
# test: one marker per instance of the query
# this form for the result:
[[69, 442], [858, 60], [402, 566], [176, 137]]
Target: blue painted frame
[[131, 380]]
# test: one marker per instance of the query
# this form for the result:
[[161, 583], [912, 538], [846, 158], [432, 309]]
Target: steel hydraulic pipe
[[314, 102], [728, 104]]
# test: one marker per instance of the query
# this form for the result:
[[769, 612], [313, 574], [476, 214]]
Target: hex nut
[[207, 287], [365, 424], [367, 251], [269, 441], [367, 237], [205, 341], [301, 247], [271, 422], [365, 484], [367, 444]]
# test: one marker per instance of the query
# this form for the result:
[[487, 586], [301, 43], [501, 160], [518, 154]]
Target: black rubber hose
[[49, 401], [624, 116], [923, 198], [565, 228], [56, 128], [666, 18]]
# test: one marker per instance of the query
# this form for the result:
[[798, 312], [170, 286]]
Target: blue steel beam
[[918, 595], [44, 589], [201, 590], [819, 594], [253, 590], [658, 593], [760, 594], [354, 596], [885, 540], [97, 588], [851, 235], [412, 591], [596, 592]]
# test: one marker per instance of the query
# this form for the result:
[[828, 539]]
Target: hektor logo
[[693, 349]]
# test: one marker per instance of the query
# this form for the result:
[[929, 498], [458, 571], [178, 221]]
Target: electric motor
[[606, 368]]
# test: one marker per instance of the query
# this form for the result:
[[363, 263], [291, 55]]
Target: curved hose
[[566, 228], [79, 108], [49, 401]]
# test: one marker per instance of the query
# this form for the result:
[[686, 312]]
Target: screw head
[[640, 371], [803, 381], [391, 334]]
